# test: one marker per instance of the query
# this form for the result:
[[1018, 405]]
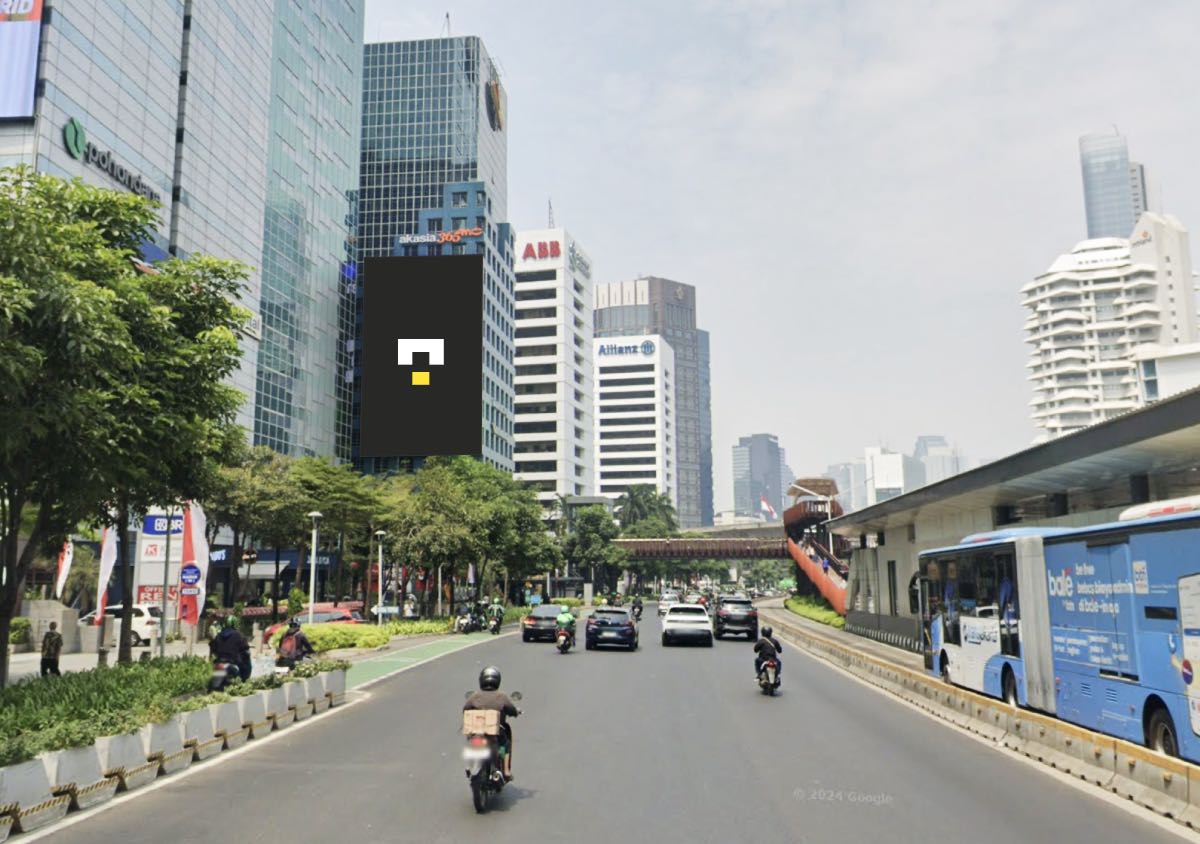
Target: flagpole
[[162, 623]]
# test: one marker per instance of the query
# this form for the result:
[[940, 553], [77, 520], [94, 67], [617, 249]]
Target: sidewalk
[[777, 613], [23, 666]]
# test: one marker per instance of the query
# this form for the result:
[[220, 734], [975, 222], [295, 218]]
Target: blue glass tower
[[435, 160]]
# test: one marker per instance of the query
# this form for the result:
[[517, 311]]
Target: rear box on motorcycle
[[481, 722]]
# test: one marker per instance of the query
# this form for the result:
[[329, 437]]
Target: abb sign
[[542, 249]]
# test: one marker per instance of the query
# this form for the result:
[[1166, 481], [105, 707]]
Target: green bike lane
[[364, 672]]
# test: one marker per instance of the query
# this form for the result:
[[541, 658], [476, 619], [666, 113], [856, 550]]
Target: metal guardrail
[[1168, 786]]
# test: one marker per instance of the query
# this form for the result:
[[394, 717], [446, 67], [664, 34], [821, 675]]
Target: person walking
[[52, 644]]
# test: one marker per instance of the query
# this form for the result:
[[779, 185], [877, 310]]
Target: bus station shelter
[[1084, 478]]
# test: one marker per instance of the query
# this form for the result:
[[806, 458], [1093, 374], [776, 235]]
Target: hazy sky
[[857, 190]]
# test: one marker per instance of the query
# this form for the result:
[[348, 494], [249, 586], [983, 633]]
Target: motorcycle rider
[[496, 610], [566, 621], [768, 647], [231, 646], [294, 646], [637, 606], [489, 696]]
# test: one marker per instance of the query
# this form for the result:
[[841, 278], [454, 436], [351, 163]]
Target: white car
[[668, 600], [687, 622], [146, 621]]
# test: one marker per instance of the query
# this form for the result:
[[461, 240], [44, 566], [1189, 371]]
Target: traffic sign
[[190, 576]]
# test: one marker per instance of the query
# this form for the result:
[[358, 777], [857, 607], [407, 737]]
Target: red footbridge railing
[[828, 581]]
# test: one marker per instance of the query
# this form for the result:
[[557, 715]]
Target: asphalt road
[[664, 744]]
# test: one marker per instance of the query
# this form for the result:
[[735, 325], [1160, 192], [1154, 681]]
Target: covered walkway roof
[[1160, 442]]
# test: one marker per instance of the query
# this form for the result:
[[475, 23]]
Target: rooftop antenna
[[550, 207], [446, 25]]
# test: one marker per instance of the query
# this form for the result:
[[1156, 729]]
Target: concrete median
[[1168, 786]]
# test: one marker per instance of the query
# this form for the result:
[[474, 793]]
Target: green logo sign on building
[[75, 138]]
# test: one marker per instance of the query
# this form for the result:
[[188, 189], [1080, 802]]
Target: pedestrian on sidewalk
[[51, 648]]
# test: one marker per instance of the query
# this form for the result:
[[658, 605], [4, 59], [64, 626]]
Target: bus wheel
[[1160, 734], [945, 669], [1009, 683]]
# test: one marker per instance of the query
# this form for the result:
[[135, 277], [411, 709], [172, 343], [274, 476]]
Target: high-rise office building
[[1091, 311], [434, 181], [1114, 188], [659, 306], [140, 100], [758, 477], [939, 459], [303, 395], [636, 434], [554, 429]]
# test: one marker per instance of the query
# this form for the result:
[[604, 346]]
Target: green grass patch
[[815, 609]]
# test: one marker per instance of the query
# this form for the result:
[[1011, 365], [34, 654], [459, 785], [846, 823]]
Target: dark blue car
[[611, 626]]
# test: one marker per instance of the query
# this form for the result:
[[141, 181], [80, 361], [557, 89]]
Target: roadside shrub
[[295, 602], [815, 609], [18, 631]]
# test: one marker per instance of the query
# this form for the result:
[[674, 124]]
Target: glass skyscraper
[[303, 388], [1114, 189], [241, 119], [758, 463], [661, 306], [434, 159]]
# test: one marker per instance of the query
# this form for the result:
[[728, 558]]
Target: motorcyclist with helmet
[[489, 696], [230, 646], [767, 647], [293, 646], [566, 621], [496, 610]]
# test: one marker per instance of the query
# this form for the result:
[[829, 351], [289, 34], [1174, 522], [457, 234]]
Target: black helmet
[[294, 624], [766, 632], [489, 679]]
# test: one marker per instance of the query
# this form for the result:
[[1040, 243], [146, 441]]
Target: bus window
[[951, 602], [1006, 598], [985, 585]]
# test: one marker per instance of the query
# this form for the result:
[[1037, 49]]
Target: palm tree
[[640, 501]]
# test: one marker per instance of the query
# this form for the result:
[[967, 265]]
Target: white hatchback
[[146, 621], [685, 622], [668, 600]]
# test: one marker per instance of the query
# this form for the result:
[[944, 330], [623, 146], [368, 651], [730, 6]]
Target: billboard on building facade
[[20, 32], [422, 356]]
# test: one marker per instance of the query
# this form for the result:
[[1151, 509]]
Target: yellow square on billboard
[[420, 379]]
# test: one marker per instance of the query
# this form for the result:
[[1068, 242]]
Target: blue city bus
[[1099, 626]]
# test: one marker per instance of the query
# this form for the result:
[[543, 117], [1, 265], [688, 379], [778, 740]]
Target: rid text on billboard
[[20, 32], [422, 373]]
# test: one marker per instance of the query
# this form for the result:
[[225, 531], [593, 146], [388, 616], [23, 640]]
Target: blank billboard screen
[[20, 32], [422, 356]]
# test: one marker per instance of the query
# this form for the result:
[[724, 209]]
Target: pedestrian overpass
[[717, 548]]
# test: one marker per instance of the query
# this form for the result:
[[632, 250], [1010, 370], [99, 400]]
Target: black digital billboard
[[422, 356]]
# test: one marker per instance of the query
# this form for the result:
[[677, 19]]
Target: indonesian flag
[[193, 571], [766, 508], [64, 567], [108, 559]]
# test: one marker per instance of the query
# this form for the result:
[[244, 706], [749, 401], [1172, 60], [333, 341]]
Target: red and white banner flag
[[65, 556], [194, 569], [108, 559]]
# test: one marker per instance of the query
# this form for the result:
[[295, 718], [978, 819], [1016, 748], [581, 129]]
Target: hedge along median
[[329, 637], [815, 609], [68, 742]]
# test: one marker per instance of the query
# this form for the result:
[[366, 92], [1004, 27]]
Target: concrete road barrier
[[1168, 786]]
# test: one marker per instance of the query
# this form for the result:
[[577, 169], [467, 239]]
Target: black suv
[[735, 614]]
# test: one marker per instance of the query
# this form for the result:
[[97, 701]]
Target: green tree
[[643, 501], [589, 546], [347, 501], [112, 379], [278, 515]]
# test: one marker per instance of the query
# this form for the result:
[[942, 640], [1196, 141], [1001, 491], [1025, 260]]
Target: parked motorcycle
[[467, 622], [483, 754], [562, 640], [768, 677]]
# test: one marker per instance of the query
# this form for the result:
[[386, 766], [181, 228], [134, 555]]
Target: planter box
[[164, 743], [302, 711], [227, 723], [276, 702], [297, 693], [6, 823], [253, 709], [284, 719], [316, 687], [198, 734], [25, 796], [125, 757], [320, 705], [76, 773], [335, 687]]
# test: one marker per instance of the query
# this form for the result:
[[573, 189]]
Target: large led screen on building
[[20, 31], [422, 356]]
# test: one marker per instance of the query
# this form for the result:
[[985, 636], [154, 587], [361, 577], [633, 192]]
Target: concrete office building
[[143, 99], [758, 477], [635, 415], [1114, 188], [434, 181], [652, 305], [890, 474], [1091, 311], [938, 458], [554, 430]]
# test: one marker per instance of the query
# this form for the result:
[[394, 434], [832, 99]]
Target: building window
[[457, 223], [458, 199], [479, 197], [433, 225]]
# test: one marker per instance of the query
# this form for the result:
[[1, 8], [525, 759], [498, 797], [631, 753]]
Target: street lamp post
[[379, 535], [312, 565]]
